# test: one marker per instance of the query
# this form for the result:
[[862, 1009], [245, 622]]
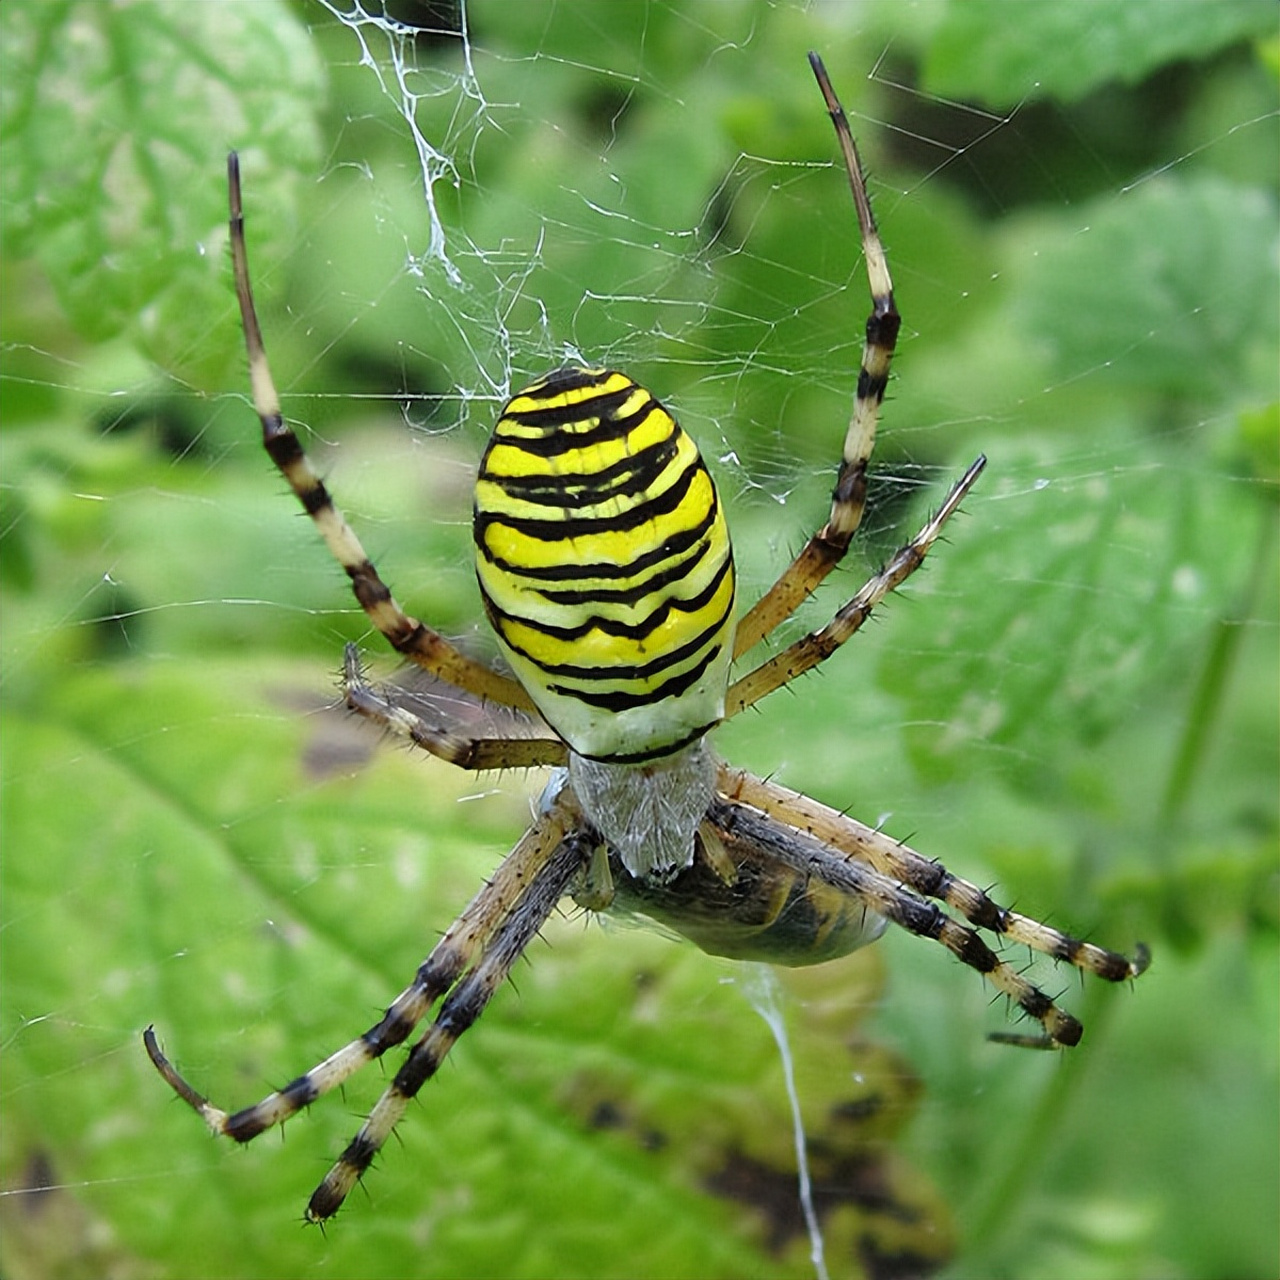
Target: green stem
[[1037, 1135], [997, 1209], [1207, 698]]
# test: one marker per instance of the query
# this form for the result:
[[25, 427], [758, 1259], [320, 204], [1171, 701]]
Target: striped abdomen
[[605, 565]]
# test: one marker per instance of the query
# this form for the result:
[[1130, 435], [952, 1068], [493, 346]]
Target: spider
[[606, 570]]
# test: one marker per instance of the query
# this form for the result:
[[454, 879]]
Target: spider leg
[[418, 642], [828, 546], [455, 748], [923, 875], [895, 902], [464, 1004], [488, 912], [819, 645]]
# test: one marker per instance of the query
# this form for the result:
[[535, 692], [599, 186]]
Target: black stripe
[[872, 387], [555, 423], [660, 504], [610, 626], [623, 701], [281, 444], [627, 477], [676, 545], [883, 324], [633, 671], [569, 377], [656, 753], [541, 396], [675, 571]]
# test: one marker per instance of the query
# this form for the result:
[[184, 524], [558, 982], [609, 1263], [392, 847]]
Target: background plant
[[1077, 702]]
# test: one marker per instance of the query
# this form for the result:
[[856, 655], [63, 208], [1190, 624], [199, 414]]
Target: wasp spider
[[606, 570]]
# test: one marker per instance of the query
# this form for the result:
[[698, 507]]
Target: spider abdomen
[[605, 565]]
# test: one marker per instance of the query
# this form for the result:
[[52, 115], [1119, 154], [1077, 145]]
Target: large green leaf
[[1172, 289], [114, 120], [1003, 51], [212, 876], [1101, 588]]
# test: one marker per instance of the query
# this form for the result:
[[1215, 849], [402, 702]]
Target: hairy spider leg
[[894, 901], [817, 646], [826, 548], [465, 1003], [923, 875], [416, 641], [457, 749], [487, 914]]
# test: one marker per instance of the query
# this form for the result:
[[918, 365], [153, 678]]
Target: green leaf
[[214, 877], [1097, 588], [1171, 289], [114, 126], [1004, 51]]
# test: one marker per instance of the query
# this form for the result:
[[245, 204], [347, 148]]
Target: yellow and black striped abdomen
[[605, 565]]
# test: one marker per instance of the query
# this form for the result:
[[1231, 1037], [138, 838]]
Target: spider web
[[1075, 701]]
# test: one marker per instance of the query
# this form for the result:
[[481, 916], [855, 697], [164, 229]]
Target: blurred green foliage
[[1076, 700]]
